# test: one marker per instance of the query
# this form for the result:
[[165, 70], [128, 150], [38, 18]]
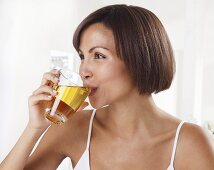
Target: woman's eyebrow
[[91, 49], [97, 47]]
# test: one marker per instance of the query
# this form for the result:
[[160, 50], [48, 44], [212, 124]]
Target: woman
[[125, 57]]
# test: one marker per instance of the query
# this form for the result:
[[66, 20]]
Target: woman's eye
[[81, 57], [99, 56]]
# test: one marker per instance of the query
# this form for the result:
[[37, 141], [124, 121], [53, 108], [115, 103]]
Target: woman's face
[[101, 68]]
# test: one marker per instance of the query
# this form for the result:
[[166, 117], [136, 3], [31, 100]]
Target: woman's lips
[[93, 91]]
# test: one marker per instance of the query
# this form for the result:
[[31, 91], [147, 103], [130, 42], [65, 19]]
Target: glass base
[[57, 118]]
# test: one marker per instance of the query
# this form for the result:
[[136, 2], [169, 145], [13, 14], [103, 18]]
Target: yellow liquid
[[65, 103]]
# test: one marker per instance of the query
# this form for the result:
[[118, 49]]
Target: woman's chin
[[97, 105]]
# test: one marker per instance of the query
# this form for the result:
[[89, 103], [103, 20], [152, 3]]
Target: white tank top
[[84, 164]]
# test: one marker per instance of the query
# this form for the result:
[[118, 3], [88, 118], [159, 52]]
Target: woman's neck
[[134, 113]]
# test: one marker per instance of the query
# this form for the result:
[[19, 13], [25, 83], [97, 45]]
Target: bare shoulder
[[195, 149]]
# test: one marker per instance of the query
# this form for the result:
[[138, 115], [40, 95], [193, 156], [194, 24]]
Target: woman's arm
[[47, 155], [37, 124], [50, 150], [18, 156]]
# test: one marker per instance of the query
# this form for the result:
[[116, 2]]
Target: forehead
[[97, 35]]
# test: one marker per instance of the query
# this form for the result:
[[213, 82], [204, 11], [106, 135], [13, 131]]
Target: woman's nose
[[85, 72]]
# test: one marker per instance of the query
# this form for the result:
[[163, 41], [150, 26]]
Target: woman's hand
[[38, 100]]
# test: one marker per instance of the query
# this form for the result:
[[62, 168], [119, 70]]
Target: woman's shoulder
[[195, 147], [196, 136]]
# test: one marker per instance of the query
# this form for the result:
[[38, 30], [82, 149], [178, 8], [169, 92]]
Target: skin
[[130, 132]]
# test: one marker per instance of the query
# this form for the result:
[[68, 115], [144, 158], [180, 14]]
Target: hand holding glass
[[70, 96]]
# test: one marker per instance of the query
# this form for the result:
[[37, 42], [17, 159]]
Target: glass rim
[[79, 78]]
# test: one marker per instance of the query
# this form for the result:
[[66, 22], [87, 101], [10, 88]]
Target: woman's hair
[[141, 42]]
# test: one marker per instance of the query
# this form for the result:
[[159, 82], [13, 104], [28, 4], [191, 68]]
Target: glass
[[70, 96]]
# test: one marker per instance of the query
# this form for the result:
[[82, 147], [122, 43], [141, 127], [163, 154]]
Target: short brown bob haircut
[[141, 42]]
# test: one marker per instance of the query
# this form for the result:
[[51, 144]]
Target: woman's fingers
[[34, 99], [45, 89], [50, 77], [44, 92]]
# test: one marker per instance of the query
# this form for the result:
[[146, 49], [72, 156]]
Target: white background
[[31, 29]]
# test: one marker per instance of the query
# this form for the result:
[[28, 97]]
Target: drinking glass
[[70, 96]]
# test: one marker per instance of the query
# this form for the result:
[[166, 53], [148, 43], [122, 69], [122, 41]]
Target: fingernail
[[54, 91], [50, 97]]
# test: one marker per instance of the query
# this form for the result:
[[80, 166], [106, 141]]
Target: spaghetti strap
[[90, 129], [176, 142]]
